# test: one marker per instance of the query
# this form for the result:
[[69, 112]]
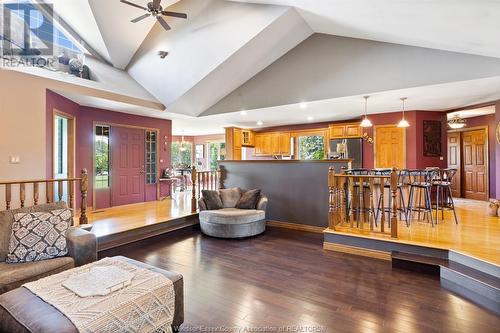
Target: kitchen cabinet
[[247, 138], [272, 143], [341, 131]]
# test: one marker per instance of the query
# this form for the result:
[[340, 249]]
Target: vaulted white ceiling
[[468, 26], [225, 44]]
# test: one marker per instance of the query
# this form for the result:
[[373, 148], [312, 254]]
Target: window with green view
[[182, 154], [311, 147], [101, 156]]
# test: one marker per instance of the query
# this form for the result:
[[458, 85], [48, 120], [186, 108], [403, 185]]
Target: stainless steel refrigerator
[[353, 149]]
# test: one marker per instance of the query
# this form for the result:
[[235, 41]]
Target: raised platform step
[[474, 284]]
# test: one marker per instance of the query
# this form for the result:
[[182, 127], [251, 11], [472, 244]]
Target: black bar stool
[[443, 192], [360, 193], [421, 181], [387, 185]]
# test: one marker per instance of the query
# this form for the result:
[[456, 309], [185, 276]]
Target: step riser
[[474, 263], [415, 266], [473, 296]]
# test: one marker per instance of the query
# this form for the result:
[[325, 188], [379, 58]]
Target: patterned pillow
[[39, 236]]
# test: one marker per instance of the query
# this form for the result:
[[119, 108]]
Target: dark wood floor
[[284, 277]]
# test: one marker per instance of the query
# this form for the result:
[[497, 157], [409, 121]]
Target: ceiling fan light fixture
[[366, 122], [162, 54], [456, 122]]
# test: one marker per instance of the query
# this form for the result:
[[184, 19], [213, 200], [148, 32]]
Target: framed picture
[[432, 138], [199, 151]]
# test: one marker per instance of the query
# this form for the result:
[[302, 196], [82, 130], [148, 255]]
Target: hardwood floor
[[284, 277], [476, 233], [129, 217]]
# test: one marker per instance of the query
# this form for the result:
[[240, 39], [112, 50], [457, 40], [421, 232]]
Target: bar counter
[[297, 190]]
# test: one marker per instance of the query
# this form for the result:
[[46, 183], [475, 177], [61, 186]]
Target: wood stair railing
[[50, 184]]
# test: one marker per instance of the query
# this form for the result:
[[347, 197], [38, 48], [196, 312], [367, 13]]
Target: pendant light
[[366, 122], [183, 146], [403, 122]]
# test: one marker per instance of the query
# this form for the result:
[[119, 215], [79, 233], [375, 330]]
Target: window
[[60, 147], [216, 152], [182, 153], [101, 156], [311, 147], [151, 157]]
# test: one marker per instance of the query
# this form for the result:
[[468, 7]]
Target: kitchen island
[[297, 190]]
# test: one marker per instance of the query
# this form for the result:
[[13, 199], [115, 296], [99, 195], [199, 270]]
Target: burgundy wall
[[488, 120], [85, 118], [497, 155]]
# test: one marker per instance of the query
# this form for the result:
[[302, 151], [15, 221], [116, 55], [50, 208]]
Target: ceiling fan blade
[[156, 3], [163, 23], [133, 4], [142, 17], [174, 14]]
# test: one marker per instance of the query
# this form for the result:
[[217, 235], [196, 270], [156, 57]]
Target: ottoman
[[23, 311]]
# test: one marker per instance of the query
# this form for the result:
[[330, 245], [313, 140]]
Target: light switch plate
[[15, 160]]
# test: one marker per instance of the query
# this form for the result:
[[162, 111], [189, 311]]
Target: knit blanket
[[146, 305]]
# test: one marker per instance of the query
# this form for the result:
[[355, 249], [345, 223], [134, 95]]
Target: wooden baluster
[[394, 215], [60, 190], [47, 192], [35, 193], [219, 178], [372, 215], [71, 190], [84, 183], [204, 180], [198, 184], [331, 198], [354, 200], [22, 193], [8, 196], [193, 190], [382, 204]]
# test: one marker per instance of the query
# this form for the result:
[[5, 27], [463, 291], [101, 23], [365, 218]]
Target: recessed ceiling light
[[310, 118], [303, 105], [243, 113], [260, 123]]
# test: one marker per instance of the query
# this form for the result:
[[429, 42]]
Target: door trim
[[111, 125], [375, 143], [71, 141], [487, 159]]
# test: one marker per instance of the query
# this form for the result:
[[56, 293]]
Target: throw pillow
[[212, 199], [230, 196], [39, 235], [249, 199]]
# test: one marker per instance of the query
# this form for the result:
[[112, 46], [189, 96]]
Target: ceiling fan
[[155, 9]]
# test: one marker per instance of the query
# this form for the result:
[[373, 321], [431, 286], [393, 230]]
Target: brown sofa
[[82, 248], [21, 311]]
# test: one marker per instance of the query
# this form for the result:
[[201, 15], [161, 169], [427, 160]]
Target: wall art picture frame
[[432, 138]]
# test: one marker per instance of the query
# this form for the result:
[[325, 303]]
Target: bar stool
[[359, 194], [402, 174], [421, 181], [443, 192]]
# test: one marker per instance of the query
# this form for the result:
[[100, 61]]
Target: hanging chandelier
[[366, 122], [183, 145], [456, 122], [403, 123]]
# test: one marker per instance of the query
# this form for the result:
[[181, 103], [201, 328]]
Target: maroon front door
[[127, 166]]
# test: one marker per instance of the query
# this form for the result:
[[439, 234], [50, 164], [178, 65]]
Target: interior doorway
[[468, 153], [390, 147], [63, 149]]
